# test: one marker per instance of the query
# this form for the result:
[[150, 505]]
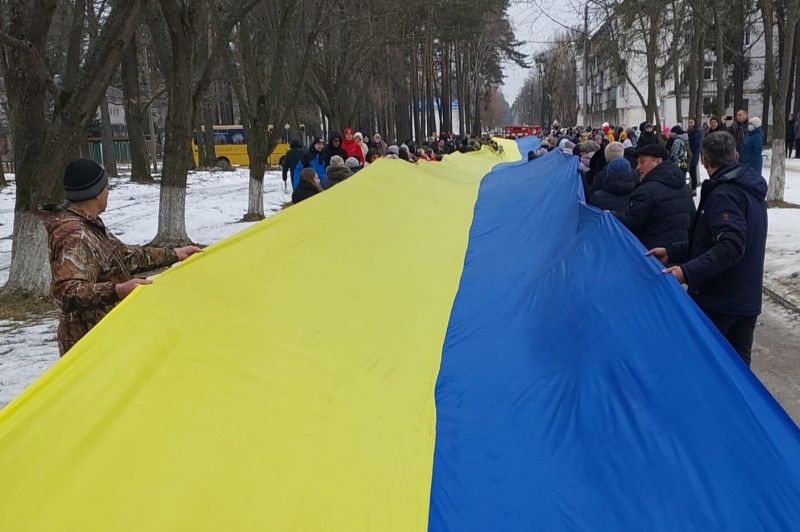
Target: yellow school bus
[[230, 147]]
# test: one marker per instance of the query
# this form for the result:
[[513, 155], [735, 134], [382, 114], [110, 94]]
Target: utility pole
[[585, 65]]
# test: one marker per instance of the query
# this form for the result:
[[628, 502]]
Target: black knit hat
[[84, 179], [654, 150]]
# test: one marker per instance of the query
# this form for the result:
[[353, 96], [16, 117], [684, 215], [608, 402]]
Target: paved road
[[776, 355]]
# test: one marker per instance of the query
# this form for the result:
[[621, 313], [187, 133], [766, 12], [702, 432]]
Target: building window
[[708, 71]]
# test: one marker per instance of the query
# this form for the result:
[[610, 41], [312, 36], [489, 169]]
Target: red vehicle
[[521, 130]]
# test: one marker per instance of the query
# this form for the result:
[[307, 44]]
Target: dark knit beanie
[[84, 179]]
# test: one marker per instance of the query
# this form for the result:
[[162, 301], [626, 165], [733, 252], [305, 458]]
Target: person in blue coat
[[753, 145], [722, 261]]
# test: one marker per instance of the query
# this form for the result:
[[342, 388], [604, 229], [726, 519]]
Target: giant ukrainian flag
[[457, 346]]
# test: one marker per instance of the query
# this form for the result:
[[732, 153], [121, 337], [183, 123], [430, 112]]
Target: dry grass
[[780, 204], [22, 307]]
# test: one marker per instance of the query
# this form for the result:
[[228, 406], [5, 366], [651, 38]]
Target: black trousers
[[738, 330], [797, 148], [693, 171], [789, 146]]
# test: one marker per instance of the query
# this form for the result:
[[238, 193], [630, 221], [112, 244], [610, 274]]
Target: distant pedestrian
[[753, 145], [695, 142]]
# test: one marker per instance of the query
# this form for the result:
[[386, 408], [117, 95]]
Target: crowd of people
[[647, 180], [324, 164]]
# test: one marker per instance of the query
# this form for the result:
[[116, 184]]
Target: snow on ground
[[782, 262], [215, 204]]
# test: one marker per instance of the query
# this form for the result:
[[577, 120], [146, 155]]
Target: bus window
[[229, 136]]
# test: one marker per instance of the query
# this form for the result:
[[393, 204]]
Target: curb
[[781, 300]]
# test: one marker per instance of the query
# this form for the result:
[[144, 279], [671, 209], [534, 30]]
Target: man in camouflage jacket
[[92, 269]]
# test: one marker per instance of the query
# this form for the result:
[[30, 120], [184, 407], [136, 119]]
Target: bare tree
[[49, 121], [186, 84], [783, 14], [269, 79], [106, 136], [134, 114]]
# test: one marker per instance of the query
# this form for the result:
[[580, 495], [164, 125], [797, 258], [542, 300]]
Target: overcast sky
[[531, 25]]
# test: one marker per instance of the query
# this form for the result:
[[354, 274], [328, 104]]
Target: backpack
[[681, 158]]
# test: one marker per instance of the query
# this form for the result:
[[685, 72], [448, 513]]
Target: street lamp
[[303, 134], [287, 127]]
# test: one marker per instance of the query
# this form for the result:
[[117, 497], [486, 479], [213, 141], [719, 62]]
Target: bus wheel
[[223, 163]]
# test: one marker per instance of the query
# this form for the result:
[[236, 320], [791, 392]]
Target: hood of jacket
[[744, 177], [619, 181]]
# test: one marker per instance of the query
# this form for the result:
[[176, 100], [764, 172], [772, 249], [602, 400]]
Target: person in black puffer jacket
[[722, 261], [615, 188], [647, 136], [334, 147], [660, 209]]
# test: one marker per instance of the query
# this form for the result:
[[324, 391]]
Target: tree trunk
[[654, 31], [700, 59], [692, 75], [177, 145], [766, 97], [459, 59], [719, 66], [209, 147], [676, 71], [793, 91], [134, 115], [257, 146], [738, 26], [415, 93], [777, 179], [429, 87], [3, 182], [107, 140], [477, 126]]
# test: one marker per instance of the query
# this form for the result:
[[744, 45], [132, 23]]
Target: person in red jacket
[[351, 146]]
